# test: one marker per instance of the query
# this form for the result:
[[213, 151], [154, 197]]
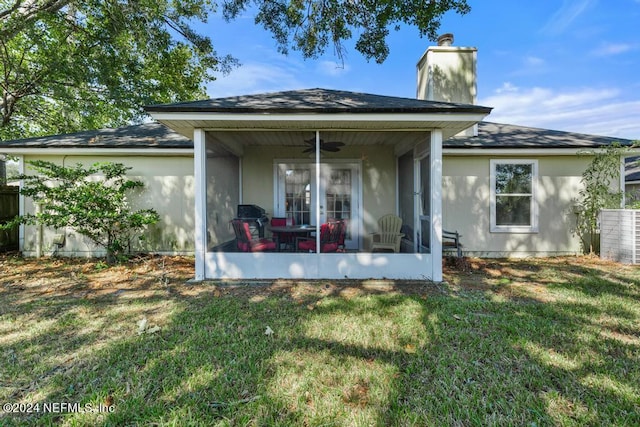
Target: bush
[[597, 193], [94, 206]]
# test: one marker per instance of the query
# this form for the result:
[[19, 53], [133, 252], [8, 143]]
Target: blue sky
[[570, 65]]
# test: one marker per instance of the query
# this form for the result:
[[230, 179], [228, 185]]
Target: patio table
[[294, 229]]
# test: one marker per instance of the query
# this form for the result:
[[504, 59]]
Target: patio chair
[[451, 241], [388, 236], [246, 243], [343, 234], [330, 233], [288, 239]]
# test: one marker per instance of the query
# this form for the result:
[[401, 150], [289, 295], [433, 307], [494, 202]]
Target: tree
[[310, 26], [68, 65], [597, 193], [95, 207], [74, 65]]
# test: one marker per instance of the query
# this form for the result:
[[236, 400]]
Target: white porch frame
[[200, 188], [265, 265], [273, 265], [436, 205]]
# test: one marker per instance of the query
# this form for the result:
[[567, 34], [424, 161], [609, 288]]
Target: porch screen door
[[338, 199], [424, 204]]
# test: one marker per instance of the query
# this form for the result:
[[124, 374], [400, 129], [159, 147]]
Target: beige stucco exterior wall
[[169, 189], [377, 169], [466, 206]]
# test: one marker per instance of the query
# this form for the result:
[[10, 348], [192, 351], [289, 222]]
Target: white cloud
[[534, 61], [531, 65], [333, 69], [608, 49], [256, 77], [508, 87], [592, 111], [564, 17]]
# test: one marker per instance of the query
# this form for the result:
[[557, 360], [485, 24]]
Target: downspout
[[21, 207], [39, 232]]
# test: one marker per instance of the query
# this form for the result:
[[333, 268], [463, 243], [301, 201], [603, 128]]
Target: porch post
[[623, 181], [436, 205], [318, 213], [200, 184]]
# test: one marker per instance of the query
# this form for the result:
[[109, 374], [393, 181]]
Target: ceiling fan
[[332, 146]]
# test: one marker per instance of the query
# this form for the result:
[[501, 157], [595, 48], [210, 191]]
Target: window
[[514, 207], [297, 187]]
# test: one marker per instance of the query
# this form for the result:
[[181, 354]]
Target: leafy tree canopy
[[68, 65], [311, 26], [72, 65]]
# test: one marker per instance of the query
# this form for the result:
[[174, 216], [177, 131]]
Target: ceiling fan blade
[[330, 148], [334, 143]]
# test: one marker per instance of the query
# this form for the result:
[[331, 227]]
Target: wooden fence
[[9, 208]]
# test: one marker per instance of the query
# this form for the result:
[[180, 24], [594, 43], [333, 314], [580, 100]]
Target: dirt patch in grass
[[55, 277], [145, 276]]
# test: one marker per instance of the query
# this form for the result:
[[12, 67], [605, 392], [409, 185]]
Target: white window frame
[[533, 228]]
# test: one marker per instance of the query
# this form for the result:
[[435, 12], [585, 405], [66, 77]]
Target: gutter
[[98, 151]]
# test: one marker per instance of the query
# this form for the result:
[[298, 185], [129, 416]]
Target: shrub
[[597, 193], [94, 206]]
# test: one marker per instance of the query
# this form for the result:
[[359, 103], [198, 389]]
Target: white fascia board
[[321, 117], [512, 151], [522, 151], [81, 151]]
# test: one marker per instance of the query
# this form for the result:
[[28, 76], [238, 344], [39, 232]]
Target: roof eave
[[307, 111], [99, 151]]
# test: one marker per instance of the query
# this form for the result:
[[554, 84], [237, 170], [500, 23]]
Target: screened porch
[[306, 180]]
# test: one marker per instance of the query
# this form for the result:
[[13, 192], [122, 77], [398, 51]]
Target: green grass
[[551, 342]]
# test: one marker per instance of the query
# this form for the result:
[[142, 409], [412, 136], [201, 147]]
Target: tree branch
[[23, 13]]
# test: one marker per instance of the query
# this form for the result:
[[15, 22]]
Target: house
[[317, 154]]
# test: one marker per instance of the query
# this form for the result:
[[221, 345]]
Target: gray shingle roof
[[317, 101], [149, 135], [156, 135], [632, 166], [499, 135]]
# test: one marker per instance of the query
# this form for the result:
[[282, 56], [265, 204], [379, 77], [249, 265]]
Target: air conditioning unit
[[620, 235]]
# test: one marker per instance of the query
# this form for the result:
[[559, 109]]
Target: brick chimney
[[448, 73]]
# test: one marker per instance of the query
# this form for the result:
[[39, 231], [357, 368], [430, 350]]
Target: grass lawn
[[534, 343]]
